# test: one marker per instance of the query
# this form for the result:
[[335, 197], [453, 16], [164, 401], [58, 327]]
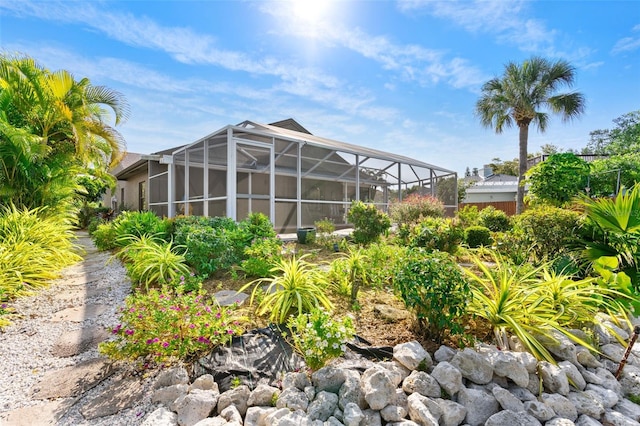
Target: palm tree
[[518, 97], [61, 110]]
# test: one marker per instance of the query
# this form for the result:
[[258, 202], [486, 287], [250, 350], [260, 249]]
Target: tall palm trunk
[[522, 167]]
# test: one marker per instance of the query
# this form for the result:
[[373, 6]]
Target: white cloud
[[626, 44]]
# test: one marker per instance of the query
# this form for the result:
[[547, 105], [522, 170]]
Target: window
[[142, 195]]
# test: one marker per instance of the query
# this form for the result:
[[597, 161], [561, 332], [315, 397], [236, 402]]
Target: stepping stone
[[78, 313], [77, 341], [391, 314], [82, 292], [121, 394], [73, 380], [229, 297], [47, 414]]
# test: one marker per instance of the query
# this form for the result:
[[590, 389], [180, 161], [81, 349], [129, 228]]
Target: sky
[[399, 76]]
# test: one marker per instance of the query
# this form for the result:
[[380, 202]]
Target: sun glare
[[311, 11]]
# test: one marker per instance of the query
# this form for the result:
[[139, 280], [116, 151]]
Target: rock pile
[[482, 386]]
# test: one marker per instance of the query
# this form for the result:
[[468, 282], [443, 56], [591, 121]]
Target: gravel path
[[86, 297]]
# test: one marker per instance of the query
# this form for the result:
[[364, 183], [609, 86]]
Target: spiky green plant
[[152, 261], [533, 304], [296, 286]]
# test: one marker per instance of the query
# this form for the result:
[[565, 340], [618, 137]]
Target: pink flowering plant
[[319, 337], [168, 324]]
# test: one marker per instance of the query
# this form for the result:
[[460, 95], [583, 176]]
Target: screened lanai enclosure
[[290, 175]]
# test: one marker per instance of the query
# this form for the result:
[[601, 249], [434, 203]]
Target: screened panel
[[160, 210], [217, 183], [286, 216], [158, 189], [196, 208], [156, 168], [286, 187], [217, 208], [218, 153]]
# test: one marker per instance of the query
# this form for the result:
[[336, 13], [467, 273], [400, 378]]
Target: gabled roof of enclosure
[[340, 146]]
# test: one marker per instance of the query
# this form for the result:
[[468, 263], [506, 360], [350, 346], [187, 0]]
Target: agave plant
[[296, 285]]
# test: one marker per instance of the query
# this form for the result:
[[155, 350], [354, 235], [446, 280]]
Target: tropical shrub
[[104, 236], [319, 337], [168, 325], [152, 261], [382, 262], [532, 304], [212, 243], [494, 219], [262, 255], [468, 216], [415, 207], [618, 224], [548, 231], [296, 286], [437, 234], [558, 179], [135, 223], [257, 226], [33, 248], [369, 222], [477, 236], [435, 289]]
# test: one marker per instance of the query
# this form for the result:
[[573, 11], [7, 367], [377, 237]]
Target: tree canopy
[[53, 128], [557, 179]]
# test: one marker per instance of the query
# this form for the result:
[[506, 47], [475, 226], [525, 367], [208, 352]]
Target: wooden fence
[[509, 207]]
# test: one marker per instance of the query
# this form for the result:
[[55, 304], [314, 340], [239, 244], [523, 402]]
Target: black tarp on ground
[[263, 356], [258, 356]]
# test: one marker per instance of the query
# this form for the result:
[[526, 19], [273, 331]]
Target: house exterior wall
[[484, 197], [131, 190]]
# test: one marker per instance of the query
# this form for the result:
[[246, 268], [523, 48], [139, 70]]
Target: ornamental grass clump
[[168, 325], [296, 285], [319, 337]]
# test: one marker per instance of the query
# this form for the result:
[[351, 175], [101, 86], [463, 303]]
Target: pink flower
[[192, 326], [165, 344], [116, 329], [129, 332]]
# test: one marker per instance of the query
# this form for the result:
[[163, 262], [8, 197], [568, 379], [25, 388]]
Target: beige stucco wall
[[131, 193]]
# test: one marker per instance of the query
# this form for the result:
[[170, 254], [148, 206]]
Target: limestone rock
[[512, 418], [507, 400], [393, 413], [204, 382], [351, 391], [237, 397], [263, 395], [608, 397], [161, 417], [197, 405], [586, 404], [473, 366], [572, 373], [562, 406], [448, 376], [352, 415], [422, 383], [173, 376], [539, 410], [453, 414], [296, 379], [480, 405], [506, 364], [444, 353], [629, 409], [293, 399], [420, 413], [411, 355], [328, 379], [378, 388], [323, 406], [613, 418], [554, 379], [256, 415], [169, 394]]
